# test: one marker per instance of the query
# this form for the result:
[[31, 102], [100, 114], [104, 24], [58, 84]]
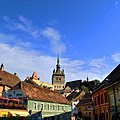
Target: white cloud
[[116, 3], [22, 24], [55, 39], [25, 25], [116, 57], [13, 40], [98, 63], [24, 62]]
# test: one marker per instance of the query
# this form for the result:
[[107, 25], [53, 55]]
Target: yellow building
[[114, 97], [35, 79], [113, 90], [13, 113], [85, 106]]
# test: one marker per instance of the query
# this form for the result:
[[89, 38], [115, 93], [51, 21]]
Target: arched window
[[35, 105]]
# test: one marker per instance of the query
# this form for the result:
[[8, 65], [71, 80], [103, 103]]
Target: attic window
[[0, 79]]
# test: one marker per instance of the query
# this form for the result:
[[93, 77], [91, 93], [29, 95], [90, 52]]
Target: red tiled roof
[[8, 79], [43, 94]]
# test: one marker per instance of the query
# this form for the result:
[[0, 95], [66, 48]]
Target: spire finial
[[87, 79], [58, 65], [58, 59], [2, 67], [35, 76]]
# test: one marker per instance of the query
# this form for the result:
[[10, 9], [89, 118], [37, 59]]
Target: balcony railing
[[11, 103]]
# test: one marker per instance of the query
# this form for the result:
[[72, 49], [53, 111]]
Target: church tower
[[58, 77]]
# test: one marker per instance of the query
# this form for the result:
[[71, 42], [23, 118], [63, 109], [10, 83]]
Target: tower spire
[[2, 67], [58, 65], [58, 59], [87, 79]]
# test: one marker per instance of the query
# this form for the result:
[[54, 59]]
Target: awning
[[22, 113]]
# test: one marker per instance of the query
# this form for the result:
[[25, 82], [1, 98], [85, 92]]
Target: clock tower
[[58, 77]]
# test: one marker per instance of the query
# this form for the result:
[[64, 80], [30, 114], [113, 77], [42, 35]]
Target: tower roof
[[35, 76], [58, 60], [58, 66]]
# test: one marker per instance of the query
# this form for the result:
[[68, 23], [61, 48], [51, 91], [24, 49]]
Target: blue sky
[[86, 34]]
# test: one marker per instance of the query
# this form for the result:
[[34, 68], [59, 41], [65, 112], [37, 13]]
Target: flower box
[[24, 106], [5, 104], [20, 105], [10, 104], [0, 103], [15, 105]]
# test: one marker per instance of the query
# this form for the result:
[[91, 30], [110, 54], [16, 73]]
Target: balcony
[[7, 103]]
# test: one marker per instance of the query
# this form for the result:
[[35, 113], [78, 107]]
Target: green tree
[[85, 89]]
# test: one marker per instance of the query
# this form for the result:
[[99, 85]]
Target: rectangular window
[[112, 100], [48, 107], [95, 101], [62, 108], [66, 108], [118, 96], [98, 99], [101, 96], [106, 97], [0, 79], [53, 107], [58, 107]]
